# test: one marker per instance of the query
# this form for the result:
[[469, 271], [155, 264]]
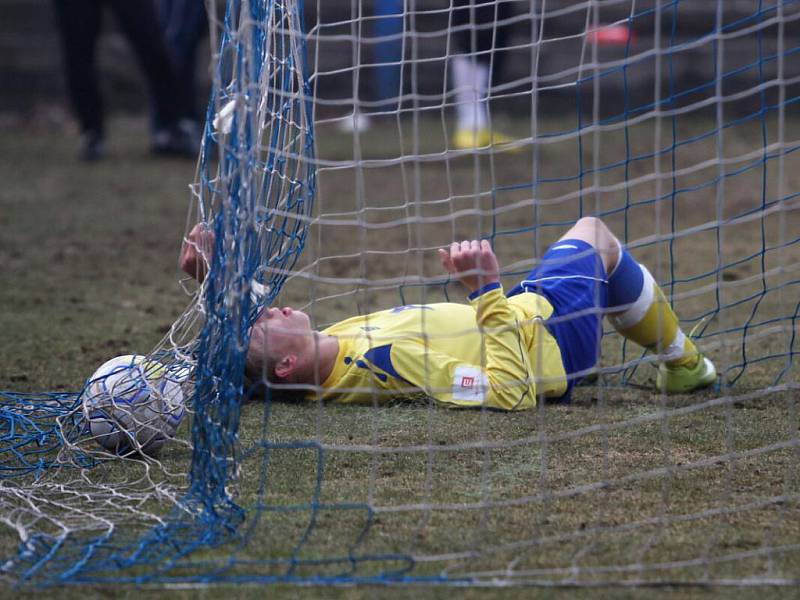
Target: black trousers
[[479, 28], [79, 23], [184, 23]]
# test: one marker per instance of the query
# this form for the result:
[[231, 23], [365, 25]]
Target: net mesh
[[671, 120]]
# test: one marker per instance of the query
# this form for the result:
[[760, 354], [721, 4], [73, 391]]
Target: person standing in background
[[183, 23], [79, 23], [480, 33]]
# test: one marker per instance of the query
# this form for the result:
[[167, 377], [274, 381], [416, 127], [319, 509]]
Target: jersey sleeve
[[507, 364], [503, 379]]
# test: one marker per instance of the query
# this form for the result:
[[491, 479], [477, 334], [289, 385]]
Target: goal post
[[673, 121]]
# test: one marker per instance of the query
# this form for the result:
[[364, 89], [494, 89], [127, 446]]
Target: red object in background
[[611, 35]]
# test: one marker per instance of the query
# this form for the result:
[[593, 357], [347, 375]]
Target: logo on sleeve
[[470, 384], [399, 309]]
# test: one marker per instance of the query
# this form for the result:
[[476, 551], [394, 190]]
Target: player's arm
[[507, 364], [196, 252]]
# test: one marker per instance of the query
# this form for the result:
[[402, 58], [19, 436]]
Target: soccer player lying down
[[502, 350]]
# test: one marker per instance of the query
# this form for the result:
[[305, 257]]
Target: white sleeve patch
[[470, 384]]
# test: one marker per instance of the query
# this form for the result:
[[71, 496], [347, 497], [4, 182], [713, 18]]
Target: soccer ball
[[132, 405]]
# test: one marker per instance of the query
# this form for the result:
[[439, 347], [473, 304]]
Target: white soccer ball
[[132, 405]]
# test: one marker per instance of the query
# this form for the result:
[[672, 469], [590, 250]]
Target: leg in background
[[79, 25], [184, 23], [139, 23], [479, 35]]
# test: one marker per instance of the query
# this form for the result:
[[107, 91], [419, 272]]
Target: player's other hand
[[196, 252], [473, 263]]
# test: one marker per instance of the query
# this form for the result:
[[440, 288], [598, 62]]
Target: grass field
[[622, 484]]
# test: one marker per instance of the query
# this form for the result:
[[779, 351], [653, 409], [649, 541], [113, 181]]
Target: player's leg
[[139, 22], [572, 277], [595, 233], [639, 310], [184, 23], [479, 32], [470, 77], [587, 273], [79, 26]]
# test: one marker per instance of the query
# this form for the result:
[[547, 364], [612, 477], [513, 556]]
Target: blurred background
[[34, 85]]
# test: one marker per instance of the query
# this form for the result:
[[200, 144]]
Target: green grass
[[88, 261]]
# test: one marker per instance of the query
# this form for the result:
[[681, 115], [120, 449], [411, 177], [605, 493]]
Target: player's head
[[281, 344]]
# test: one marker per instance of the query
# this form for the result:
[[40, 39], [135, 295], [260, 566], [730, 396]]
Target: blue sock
[[644, 315], [626, 282]]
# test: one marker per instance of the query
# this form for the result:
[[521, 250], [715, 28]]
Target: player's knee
[[594, 223], [600, 231], [594, 231]]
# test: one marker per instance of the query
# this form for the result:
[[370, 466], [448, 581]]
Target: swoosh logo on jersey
[[398, 309], [379, 357], [363, 365]]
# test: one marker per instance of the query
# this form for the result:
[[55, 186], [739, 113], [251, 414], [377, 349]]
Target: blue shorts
[[573, 279]]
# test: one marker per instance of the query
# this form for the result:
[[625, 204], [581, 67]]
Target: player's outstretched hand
[[473, 263], [196, 252]]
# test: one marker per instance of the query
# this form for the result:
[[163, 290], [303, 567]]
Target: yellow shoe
[[682, 380], [473, 139]]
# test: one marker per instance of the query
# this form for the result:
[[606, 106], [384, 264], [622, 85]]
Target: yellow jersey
[[494, 352]]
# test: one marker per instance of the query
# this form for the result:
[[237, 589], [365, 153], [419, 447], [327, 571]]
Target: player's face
[[281, 331]]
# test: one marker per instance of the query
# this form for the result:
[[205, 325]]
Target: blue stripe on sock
[[625, 284]]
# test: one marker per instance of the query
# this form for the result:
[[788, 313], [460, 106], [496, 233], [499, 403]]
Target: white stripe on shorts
[[533, 281]]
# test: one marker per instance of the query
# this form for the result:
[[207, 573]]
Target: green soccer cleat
[[469, 139], [682, 380]]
